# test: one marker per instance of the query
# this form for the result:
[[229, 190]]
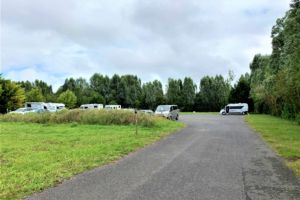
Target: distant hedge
[[102, 117]]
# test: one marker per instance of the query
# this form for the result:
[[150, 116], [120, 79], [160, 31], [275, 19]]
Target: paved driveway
[[215, 157]]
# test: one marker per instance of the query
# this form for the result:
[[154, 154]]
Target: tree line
[[126, 90], [275, 78]]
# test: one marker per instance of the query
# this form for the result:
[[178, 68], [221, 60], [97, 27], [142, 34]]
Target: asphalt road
[[215, 157]]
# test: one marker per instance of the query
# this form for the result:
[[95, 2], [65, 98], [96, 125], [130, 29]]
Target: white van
[[113, 107], [235, 108], [91, 106], [168, 111]]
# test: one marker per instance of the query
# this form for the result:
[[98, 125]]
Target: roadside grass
[[199, 113], [37, 156], [282, 135]]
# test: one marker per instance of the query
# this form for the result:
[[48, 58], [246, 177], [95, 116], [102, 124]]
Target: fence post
[[136, 121]]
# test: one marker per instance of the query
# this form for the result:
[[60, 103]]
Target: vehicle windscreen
[[163, 108]]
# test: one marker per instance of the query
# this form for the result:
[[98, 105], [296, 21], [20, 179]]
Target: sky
[[52, 40]]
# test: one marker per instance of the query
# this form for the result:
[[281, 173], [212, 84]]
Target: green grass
[[36, 156], [199, 113], [282, 135]]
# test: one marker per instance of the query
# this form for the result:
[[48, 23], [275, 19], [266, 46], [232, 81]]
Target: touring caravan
[[91, 106], [235, 108], [113, 107], [54, 107], [42, 106]]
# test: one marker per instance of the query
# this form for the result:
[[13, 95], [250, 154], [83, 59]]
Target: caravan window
[[29, 105], [95, 106]]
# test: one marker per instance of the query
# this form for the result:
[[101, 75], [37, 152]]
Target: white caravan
[[42, 106], [54, 107], [91, 106], [235, 108], [113, 107]]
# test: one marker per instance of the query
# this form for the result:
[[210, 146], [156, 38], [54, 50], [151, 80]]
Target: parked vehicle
[[168, 111], [91, 106], [150, 112], [44, 107], [235, 108], [54, 107], [113, 107]]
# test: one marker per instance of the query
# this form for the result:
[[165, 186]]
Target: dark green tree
[[35, 95], [12, 96]]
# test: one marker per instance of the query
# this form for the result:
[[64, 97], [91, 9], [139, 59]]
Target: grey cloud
[[153, 39]]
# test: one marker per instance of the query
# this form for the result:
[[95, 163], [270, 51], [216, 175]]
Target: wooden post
[[136, 122]]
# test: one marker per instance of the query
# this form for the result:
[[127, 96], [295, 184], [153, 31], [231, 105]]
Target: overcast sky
[[56, 39]]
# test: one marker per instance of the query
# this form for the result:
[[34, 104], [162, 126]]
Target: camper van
[[91, 106], [113, 107], [168, 111], [235, 108]]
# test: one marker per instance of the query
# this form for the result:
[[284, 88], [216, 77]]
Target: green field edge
[[290, 163]]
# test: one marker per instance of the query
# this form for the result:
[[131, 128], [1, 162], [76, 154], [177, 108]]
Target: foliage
[[37, 156], [68, 98], [214, 93], [240, 93], [152, 95], [174, 92], [275, 79], [35, 95], [12, 95]]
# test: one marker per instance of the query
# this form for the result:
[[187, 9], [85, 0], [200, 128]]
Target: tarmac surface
[[214, 157]]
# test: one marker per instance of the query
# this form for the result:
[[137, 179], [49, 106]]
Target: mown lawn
[[36, 156], [282, 135]]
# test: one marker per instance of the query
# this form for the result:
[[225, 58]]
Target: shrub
[[102, 117]]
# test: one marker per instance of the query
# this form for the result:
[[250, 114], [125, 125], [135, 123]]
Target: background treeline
[[275, 78], [128, 91]]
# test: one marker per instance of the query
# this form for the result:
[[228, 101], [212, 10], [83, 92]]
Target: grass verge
[[36, 156], [282, 135]]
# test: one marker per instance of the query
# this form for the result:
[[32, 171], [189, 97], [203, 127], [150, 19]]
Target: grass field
[[282, 135], [199, 113], [36, 156]]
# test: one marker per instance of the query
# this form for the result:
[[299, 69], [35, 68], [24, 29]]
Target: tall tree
[[12, 96], [68, 98], [152, 95], [35, 95], [174, 92], [188, 94], [240, 93], [213, 94]]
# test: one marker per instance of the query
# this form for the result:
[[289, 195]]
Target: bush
[[102, 117]]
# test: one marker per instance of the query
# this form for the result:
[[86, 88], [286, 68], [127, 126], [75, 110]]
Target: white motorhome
[[235, 108], [113, 107], [91, 106]]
